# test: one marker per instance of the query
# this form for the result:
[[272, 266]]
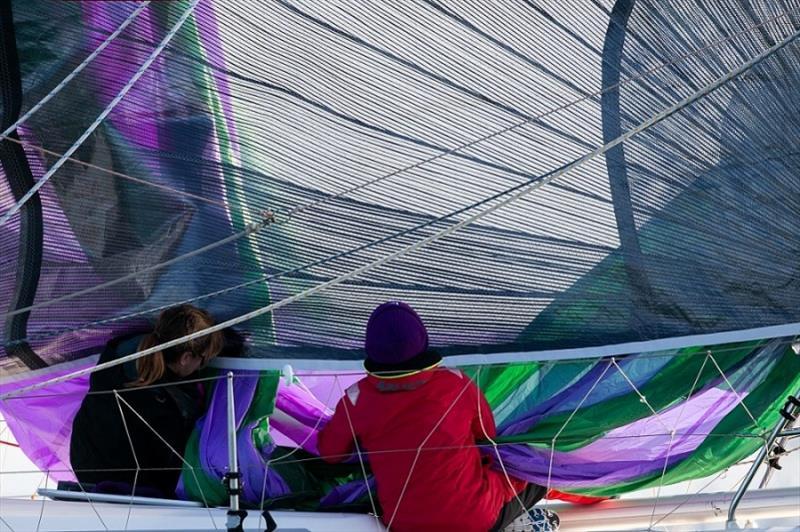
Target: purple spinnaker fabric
[[41, 420]]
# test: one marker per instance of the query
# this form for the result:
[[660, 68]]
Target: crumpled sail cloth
[[591, 427], [604, 437]]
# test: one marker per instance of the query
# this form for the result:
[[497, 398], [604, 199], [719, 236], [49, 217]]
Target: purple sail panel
[[41, 421]]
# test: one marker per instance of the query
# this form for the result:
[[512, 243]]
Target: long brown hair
[[173, 323]]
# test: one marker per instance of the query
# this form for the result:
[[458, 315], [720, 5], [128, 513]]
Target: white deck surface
[[21, 515], [775, 509]]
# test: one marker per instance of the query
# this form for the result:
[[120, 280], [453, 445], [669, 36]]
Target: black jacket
[[100, 449]]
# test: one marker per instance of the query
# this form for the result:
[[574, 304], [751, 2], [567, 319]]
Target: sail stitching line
[[21, 120], [358, 450], [133, 452], [564, 426], [503, 198], [544, 114], [176, 453], [296, 210], [117, 99], [672, 439]]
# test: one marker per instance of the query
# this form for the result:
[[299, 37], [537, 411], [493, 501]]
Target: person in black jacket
[[120, 451]]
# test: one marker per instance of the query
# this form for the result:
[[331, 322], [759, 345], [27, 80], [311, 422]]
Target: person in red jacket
[[418, 423]]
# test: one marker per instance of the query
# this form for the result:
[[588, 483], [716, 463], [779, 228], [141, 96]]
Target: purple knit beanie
[[395, 335]]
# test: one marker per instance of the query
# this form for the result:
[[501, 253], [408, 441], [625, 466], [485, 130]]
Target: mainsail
[[591, 204]]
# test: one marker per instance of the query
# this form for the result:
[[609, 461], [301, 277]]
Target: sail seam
[[285, 218], [503, 198]]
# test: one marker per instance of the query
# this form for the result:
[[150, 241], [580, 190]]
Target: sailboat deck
[[771, 509]]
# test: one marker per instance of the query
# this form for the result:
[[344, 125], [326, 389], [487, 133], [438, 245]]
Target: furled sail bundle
[[592, 206]]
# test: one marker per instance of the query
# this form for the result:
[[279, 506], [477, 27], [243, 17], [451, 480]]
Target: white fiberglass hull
[[775, 509]]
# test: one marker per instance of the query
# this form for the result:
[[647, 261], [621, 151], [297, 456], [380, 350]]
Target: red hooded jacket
[[446, 485]]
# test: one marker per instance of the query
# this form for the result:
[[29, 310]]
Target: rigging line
[[117, 99], [642, 398], [6, 523], [126, 390], [46, 481], [89, 499], [371, 453], [32, 145], [672, 439], [343, 401], [494, 443], [75, 72], [564, 426], [533, 442], [719, 475], [738, 396], [250, 229], [133, 452], [302, 208], [296, 449], [512, 194], [176, 453], [419, 449]]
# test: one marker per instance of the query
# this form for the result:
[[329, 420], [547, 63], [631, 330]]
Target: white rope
[[738, 396], [343, 402], [86, 164], [672, 439], [118, 98], [46, 481], [642, 398], [677, 507], [176, 453], [293, 451], [494, 444], [251, 229], [740, 402], [89, 500], [516, 193], [133, 452], [75, 72], [421, 445], [566, 422], [6, 523]]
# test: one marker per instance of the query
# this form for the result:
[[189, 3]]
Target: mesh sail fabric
[[598, 428], [430, 108]]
